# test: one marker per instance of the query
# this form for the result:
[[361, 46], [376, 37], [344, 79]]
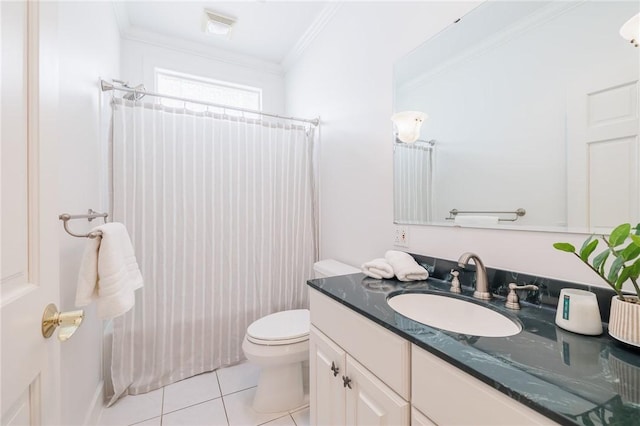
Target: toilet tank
[[332, 268]]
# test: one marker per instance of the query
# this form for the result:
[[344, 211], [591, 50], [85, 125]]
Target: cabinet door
[[326, 367], [370, 402]]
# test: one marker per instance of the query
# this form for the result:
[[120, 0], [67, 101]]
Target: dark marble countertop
[[570, 378]]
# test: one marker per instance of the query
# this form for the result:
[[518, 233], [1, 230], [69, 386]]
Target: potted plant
[[618, 263]]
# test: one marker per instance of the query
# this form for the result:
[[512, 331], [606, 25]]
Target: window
[[206, 90]]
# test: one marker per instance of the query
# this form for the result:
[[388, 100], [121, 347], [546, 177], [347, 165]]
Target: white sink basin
[[451, 314]]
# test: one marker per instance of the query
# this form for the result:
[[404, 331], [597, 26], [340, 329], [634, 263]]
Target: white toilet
[[279, 344]]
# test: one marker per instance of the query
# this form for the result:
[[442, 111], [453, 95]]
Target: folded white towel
[[475, 220], [405, 267], [377, 268], [109, 272]]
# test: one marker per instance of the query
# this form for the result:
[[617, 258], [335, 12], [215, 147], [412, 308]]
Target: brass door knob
[[67, 321]]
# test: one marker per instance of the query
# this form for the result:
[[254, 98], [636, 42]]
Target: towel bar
[[91, 214], [519, 213]]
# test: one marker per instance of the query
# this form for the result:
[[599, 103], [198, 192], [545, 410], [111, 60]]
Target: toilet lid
[[282, 326]]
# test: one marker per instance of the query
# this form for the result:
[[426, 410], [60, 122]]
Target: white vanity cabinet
[[449, 396], [351, 363], [393, 382], [344, 392]]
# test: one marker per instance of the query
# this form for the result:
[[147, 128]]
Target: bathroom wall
[[88, 48], [345, 76], [140, 56]]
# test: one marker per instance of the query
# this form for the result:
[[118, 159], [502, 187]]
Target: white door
[[326, 367], [28, 232], [372, 403], [603, 152]]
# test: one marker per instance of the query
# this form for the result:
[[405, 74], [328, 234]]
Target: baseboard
[[95, 409]]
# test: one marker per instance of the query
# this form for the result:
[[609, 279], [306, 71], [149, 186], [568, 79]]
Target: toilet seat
[[280, 328]]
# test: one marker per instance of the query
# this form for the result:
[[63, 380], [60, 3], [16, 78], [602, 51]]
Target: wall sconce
[[408, 124], [630, 31]]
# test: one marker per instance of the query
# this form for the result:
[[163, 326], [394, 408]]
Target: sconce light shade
[[630, 31], [408, 124]]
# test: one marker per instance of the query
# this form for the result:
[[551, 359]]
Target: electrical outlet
[[401, 238]]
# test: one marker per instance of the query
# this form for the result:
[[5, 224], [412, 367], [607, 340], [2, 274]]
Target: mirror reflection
[[531, 106]]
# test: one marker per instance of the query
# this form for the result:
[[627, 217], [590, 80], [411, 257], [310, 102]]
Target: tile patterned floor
[[220, 398]]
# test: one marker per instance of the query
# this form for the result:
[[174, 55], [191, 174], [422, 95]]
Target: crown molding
[[200, 49], [531, 22], [122, 16], [310, 34]]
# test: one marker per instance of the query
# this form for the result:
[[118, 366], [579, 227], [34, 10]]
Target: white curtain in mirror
[[413, 182], [221, 212]]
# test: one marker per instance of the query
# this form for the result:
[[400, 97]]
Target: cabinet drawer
[[419, 419], [440, 390], [379, 350]]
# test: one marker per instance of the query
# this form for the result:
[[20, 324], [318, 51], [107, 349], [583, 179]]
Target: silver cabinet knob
[[335, 369], [346, 382]]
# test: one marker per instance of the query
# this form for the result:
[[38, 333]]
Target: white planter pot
[[624, 322]]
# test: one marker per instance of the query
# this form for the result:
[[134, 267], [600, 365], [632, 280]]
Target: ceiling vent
[[217, 24]]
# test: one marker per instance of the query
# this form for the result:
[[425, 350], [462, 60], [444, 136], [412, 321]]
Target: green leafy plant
[[625, 259]]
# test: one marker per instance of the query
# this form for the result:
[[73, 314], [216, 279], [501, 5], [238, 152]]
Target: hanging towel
[[405, 267], [377, 268], [475, 220], [109, 272]]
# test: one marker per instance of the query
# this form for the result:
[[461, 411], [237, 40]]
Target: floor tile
[[301, 417], [191, 391], [305, 404], [239, 377], [151, 422], [282, 421], [132, 409], [210, 413], [240, 413]]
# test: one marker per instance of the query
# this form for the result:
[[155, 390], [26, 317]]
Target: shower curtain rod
[[106, 86]]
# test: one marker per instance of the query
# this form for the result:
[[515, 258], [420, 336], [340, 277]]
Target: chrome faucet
[[482, 282]]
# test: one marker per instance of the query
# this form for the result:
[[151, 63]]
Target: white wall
[[140, 58], [89, 46], [346, 77]]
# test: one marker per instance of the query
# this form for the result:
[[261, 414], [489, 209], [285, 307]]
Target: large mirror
[[533, 120]]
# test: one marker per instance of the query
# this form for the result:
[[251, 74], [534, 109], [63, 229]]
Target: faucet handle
[[513, 301], [455, 282]]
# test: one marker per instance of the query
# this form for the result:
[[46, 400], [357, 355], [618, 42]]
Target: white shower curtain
[[221, 212], [413, 182]]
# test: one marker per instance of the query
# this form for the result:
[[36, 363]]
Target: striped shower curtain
[[413, 182], [222, 214]]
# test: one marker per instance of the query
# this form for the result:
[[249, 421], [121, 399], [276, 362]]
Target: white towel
[[405, 267], [475, 220], [109, 272], [377, 268]]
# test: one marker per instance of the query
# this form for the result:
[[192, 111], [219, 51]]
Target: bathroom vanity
[[370, 365]]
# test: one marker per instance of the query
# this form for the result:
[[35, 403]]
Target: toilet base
[[287, 379]]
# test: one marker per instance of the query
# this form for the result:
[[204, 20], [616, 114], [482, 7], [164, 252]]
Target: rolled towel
[[377, 268], [405, 267], [475, 220]]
